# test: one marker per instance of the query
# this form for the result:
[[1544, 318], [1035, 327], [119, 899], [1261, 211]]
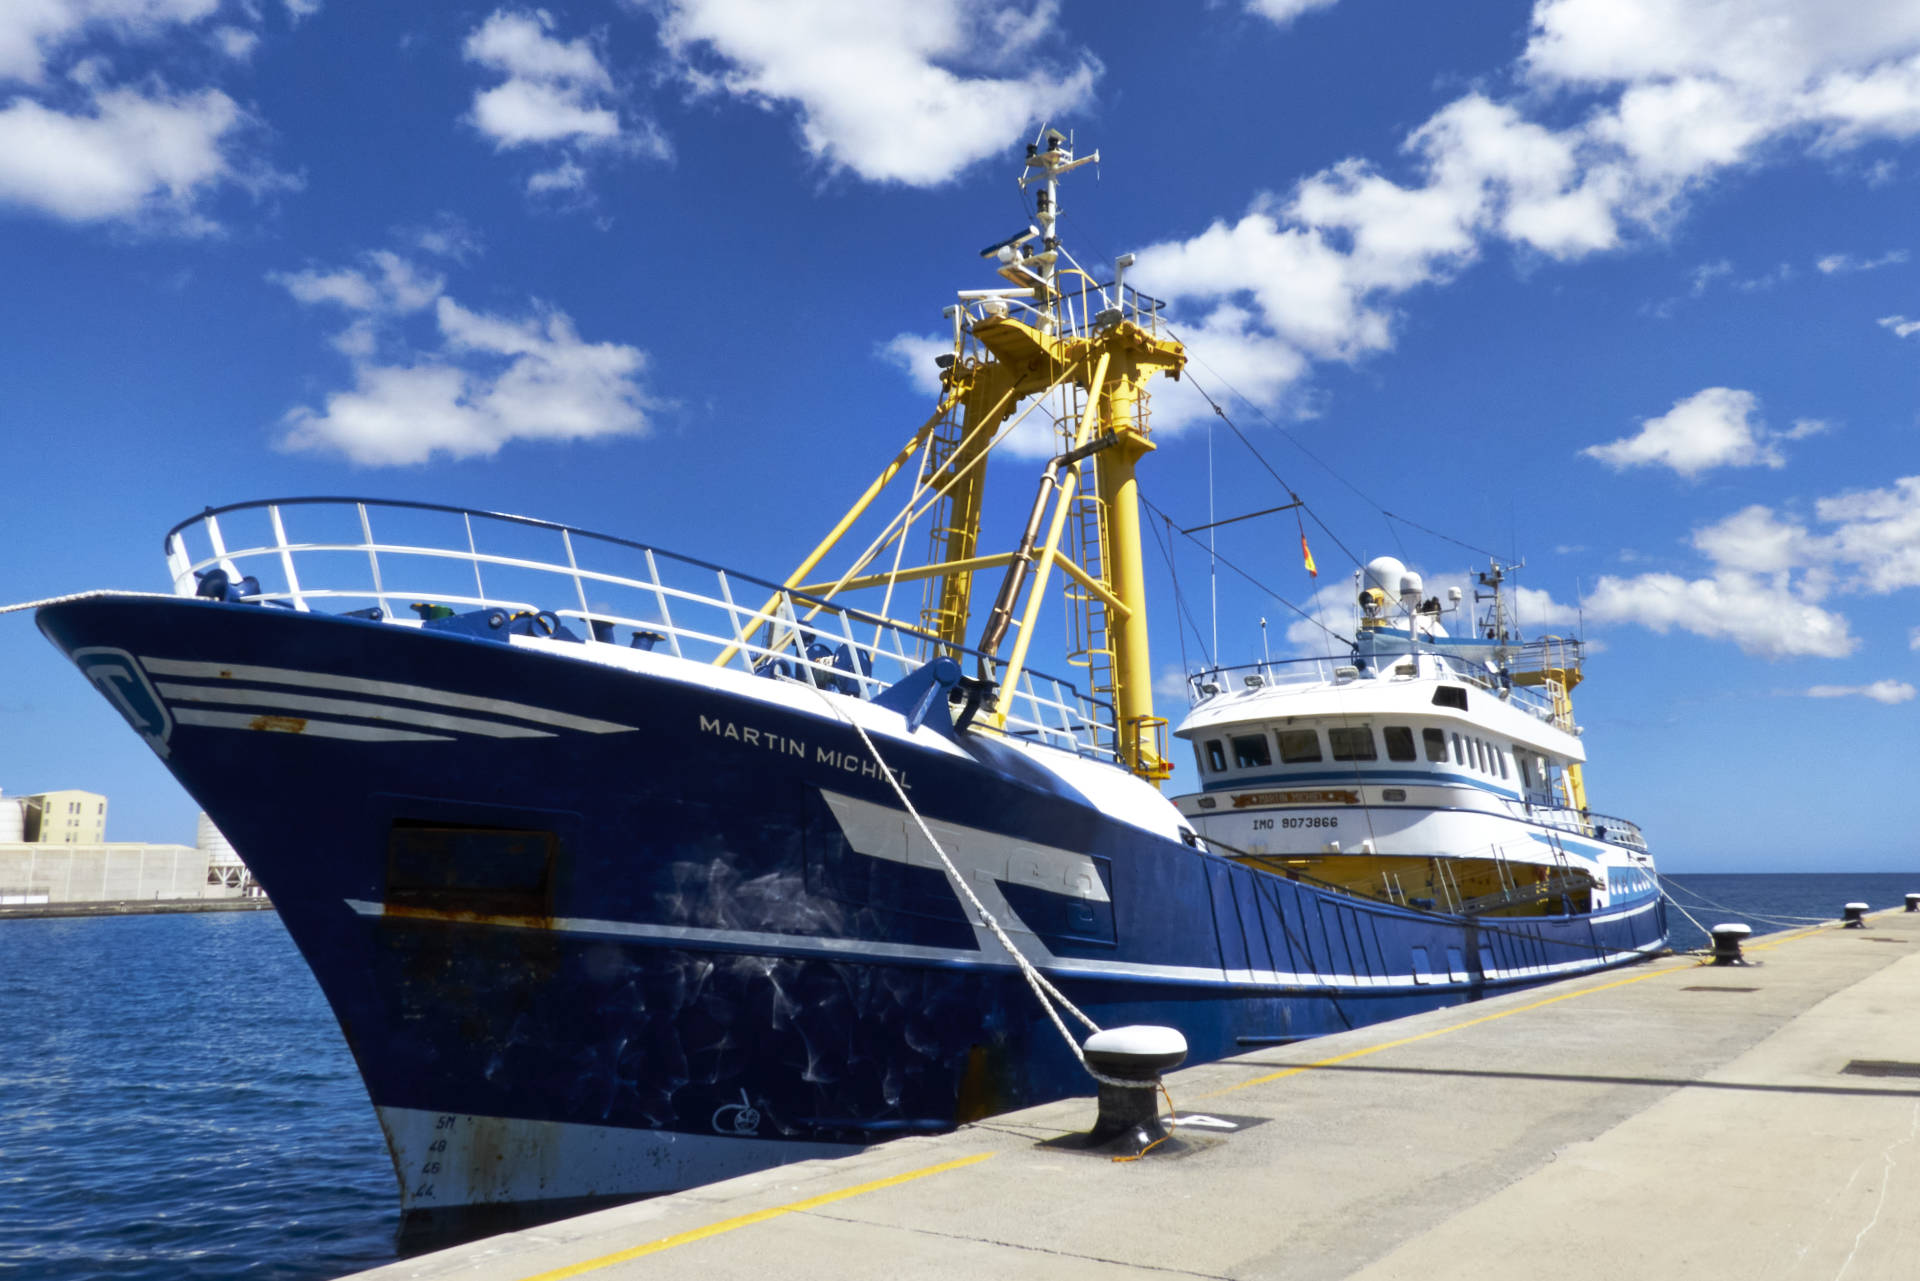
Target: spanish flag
[[1306, 554]]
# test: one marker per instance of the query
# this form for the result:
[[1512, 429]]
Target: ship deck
[[1671, 1119]]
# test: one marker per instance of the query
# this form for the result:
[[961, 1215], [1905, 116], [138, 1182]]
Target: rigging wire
[[1179, 597], [1295, 442], [1278, 479], [1148, 504]]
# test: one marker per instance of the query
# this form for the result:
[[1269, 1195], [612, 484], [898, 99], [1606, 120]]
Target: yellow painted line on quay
[[748, 1220]]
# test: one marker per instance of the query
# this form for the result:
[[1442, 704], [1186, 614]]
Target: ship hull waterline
[[634, 942]]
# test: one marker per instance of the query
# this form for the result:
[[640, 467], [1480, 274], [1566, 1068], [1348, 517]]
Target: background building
[[53, 849], [64, 818]]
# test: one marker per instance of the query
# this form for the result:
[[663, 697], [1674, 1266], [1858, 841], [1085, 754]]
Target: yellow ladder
[[941, 446]]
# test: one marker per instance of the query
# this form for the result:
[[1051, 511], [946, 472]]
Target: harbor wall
[[32, 873]]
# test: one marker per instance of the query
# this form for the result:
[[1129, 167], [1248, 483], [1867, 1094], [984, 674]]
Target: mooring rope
[[1786, 922], [1690, 916], [1047, 994]]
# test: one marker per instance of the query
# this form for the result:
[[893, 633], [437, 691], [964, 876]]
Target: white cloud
[[1170, 686], [554, 89], [1883, 691], [1771, 574], [1537, 613], [1762, 616], [133, 156], [1900, 325], [389, 284], [521, 112], [1877, 533], [1330, 607], [1285, 11], [913, 355], [1755, 541], [490, 380], [236, 42], [1913, 639], [1845, 264], [1712, 428], [33, 32], [907, 93], [447, 236], [77, 147], [557, 94], [1660, 97], [494, 380]]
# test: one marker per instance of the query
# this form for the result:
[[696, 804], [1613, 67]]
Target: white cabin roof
[[1323, 690]]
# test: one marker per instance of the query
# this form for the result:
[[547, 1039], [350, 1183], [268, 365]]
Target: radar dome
[[1385, 572]]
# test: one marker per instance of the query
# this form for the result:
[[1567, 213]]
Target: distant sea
[[176, 1100]]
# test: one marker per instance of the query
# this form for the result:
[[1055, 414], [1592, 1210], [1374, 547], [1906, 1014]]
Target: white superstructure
[[1421, 768]]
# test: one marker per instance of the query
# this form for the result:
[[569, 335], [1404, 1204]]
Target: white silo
[[13, 820], [224, 866], [207, 837]]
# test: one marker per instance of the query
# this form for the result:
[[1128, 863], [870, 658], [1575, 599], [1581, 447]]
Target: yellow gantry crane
[[1054, 337]]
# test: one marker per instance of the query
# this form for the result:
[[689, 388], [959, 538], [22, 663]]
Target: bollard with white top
[[1726, 943], [1134, 1057], [1913, 902], [1856, 917]]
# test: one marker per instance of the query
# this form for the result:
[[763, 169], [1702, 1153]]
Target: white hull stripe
[[886, 832], [382, 689], [295, 704], [270, 723], [755, 941]]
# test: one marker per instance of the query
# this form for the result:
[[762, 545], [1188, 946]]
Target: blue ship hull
[[591, 932]]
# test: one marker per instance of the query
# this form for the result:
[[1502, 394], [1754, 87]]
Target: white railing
[[1605, 827], [1300, 674], [394, 560]]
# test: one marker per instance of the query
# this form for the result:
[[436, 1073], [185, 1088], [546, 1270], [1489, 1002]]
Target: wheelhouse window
[[1500, 759], [1299, 746], [1216, 756], [1351, 743], [1399, 743], [1436, 745], [1250, 751], [1459, 751]]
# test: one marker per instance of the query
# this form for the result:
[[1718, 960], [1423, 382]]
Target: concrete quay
[[134, 907], [1759, 1122]]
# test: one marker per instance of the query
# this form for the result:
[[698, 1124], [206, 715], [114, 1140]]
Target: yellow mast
[[1054, 331], [1558, 670]]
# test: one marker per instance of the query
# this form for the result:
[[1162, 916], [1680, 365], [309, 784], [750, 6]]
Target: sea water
[[176, 1100]]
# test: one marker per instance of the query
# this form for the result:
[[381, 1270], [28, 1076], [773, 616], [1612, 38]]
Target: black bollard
[[1726, 943], [1913, 902], [1856, 917], [1130, 1113]]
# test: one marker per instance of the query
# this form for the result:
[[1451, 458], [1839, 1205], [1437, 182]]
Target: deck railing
[[353, 556], [1300, 674]]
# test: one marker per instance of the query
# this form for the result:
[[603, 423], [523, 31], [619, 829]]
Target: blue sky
[[1625, 287]]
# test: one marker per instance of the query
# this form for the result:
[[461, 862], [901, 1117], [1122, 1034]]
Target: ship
[[624, 872]]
